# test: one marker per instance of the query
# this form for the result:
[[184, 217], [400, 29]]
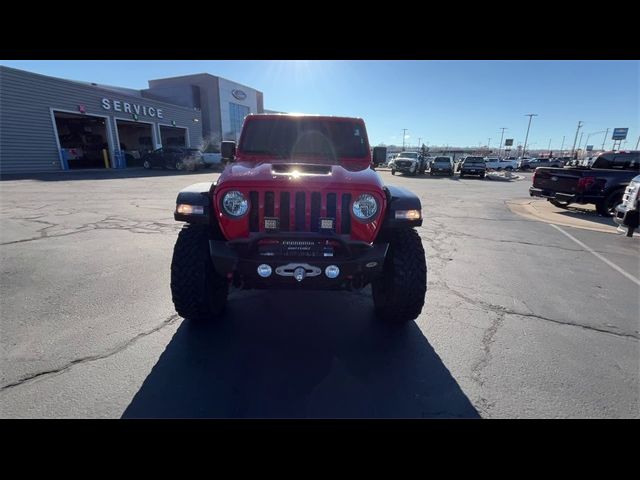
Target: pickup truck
[[497, 164], [602, 184]]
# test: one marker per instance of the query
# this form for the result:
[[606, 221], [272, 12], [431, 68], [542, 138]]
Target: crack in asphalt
[[91, 358], [501, 310], [107, 223]]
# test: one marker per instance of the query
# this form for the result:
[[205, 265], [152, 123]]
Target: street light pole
[[419, 139], [605, 139], [562, 147], [501, 137], [573, 149], [404, 135], [549, 148], [489, 144], [580, 141], [637, 143], [530, 115]]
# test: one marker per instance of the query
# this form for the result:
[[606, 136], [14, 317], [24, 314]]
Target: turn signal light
[[186, 209], [408, 214]]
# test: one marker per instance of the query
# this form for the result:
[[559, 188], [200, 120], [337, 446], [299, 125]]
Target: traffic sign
[[589, 148], [619, 134], [508, 142]]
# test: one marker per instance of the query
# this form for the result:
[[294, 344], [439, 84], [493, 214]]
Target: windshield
[[290, 137], [408, 155], [442, 160]]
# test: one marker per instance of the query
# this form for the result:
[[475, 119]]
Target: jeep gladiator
[[298, 206]]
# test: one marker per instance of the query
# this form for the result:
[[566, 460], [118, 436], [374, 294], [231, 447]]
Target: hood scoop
[[300, 169]]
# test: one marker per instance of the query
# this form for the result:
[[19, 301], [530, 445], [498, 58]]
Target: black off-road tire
[[199, 293], [399, 295], [606, 208]]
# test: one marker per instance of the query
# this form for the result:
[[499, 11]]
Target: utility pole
[[549, 148], [419, 144], [580, 141], [637, 143], [562, 147], [573, 149], [605, 139], [404, 134], [501, 136], [530, 115], [489, 144]]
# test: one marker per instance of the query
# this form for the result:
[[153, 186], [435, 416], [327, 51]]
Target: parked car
[[442, 166], [498, 164], [543, 162], [176, 158], [336, 226], [211, 159], [602, 185], [473, 166], [409, 162], [627, 213]]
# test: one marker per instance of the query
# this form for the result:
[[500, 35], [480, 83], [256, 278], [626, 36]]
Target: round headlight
[[234, 203], [365, 207]]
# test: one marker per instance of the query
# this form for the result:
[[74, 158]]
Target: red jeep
[[298, 205]]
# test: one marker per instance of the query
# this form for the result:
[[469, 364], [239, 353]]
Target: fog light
[[326, 224], [332, 271], [271, 223], [264, 270]]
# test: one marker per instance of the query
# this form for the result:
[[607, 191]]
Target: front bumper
[[629, 217], [443, 171], [405, 169], [359, 262]]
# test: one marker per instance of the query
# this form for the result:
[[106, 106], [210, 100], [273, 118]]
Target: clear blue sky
[[460, 103]]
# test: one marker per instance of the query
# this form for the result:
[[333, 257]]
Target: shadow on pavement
[[587, 215], [299, 355]]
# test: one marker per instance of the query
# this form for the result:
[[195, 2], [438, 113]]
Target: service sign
[[132, 108], [508, 142], [619, 133]]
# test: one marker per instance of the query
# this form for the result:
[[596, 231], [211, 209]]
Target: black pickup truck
[[602, 184]]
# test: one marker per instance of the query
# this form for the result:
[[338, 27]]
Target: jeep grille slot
[[316, 199], [331, 205], [346, 217], [254, 225], [300, 216], [269, 199], [285, 208]]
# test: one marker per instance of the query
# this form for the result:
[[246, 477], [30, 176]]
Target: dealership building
[[51, 124]]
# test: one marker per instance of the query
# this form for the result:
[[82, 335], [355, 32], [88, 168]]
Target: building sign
[[239, 94], [508, 142], [132, 108], [619, 134], [589, 148]]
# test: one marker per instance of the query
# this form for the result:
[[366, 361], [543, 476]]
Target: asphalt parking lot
[[520, 321]]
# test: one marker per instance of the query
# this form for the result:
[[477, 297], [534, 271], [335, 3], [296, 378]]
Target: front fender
[[400, 199], [196, 195]]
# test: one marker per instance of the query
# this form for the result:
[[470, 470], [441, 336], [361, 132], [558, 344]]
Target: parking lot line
[[588, 249]]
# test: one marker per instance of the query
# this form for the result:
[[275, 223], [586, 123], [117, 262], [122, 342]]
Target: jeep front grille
[[299, 211]]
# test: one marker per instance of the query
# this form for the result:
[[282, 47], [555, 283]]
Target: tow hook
[[299, 274]]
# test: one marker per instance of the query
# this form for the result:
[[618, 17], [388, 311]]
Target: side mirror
[[379, 155], [228, 151]]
